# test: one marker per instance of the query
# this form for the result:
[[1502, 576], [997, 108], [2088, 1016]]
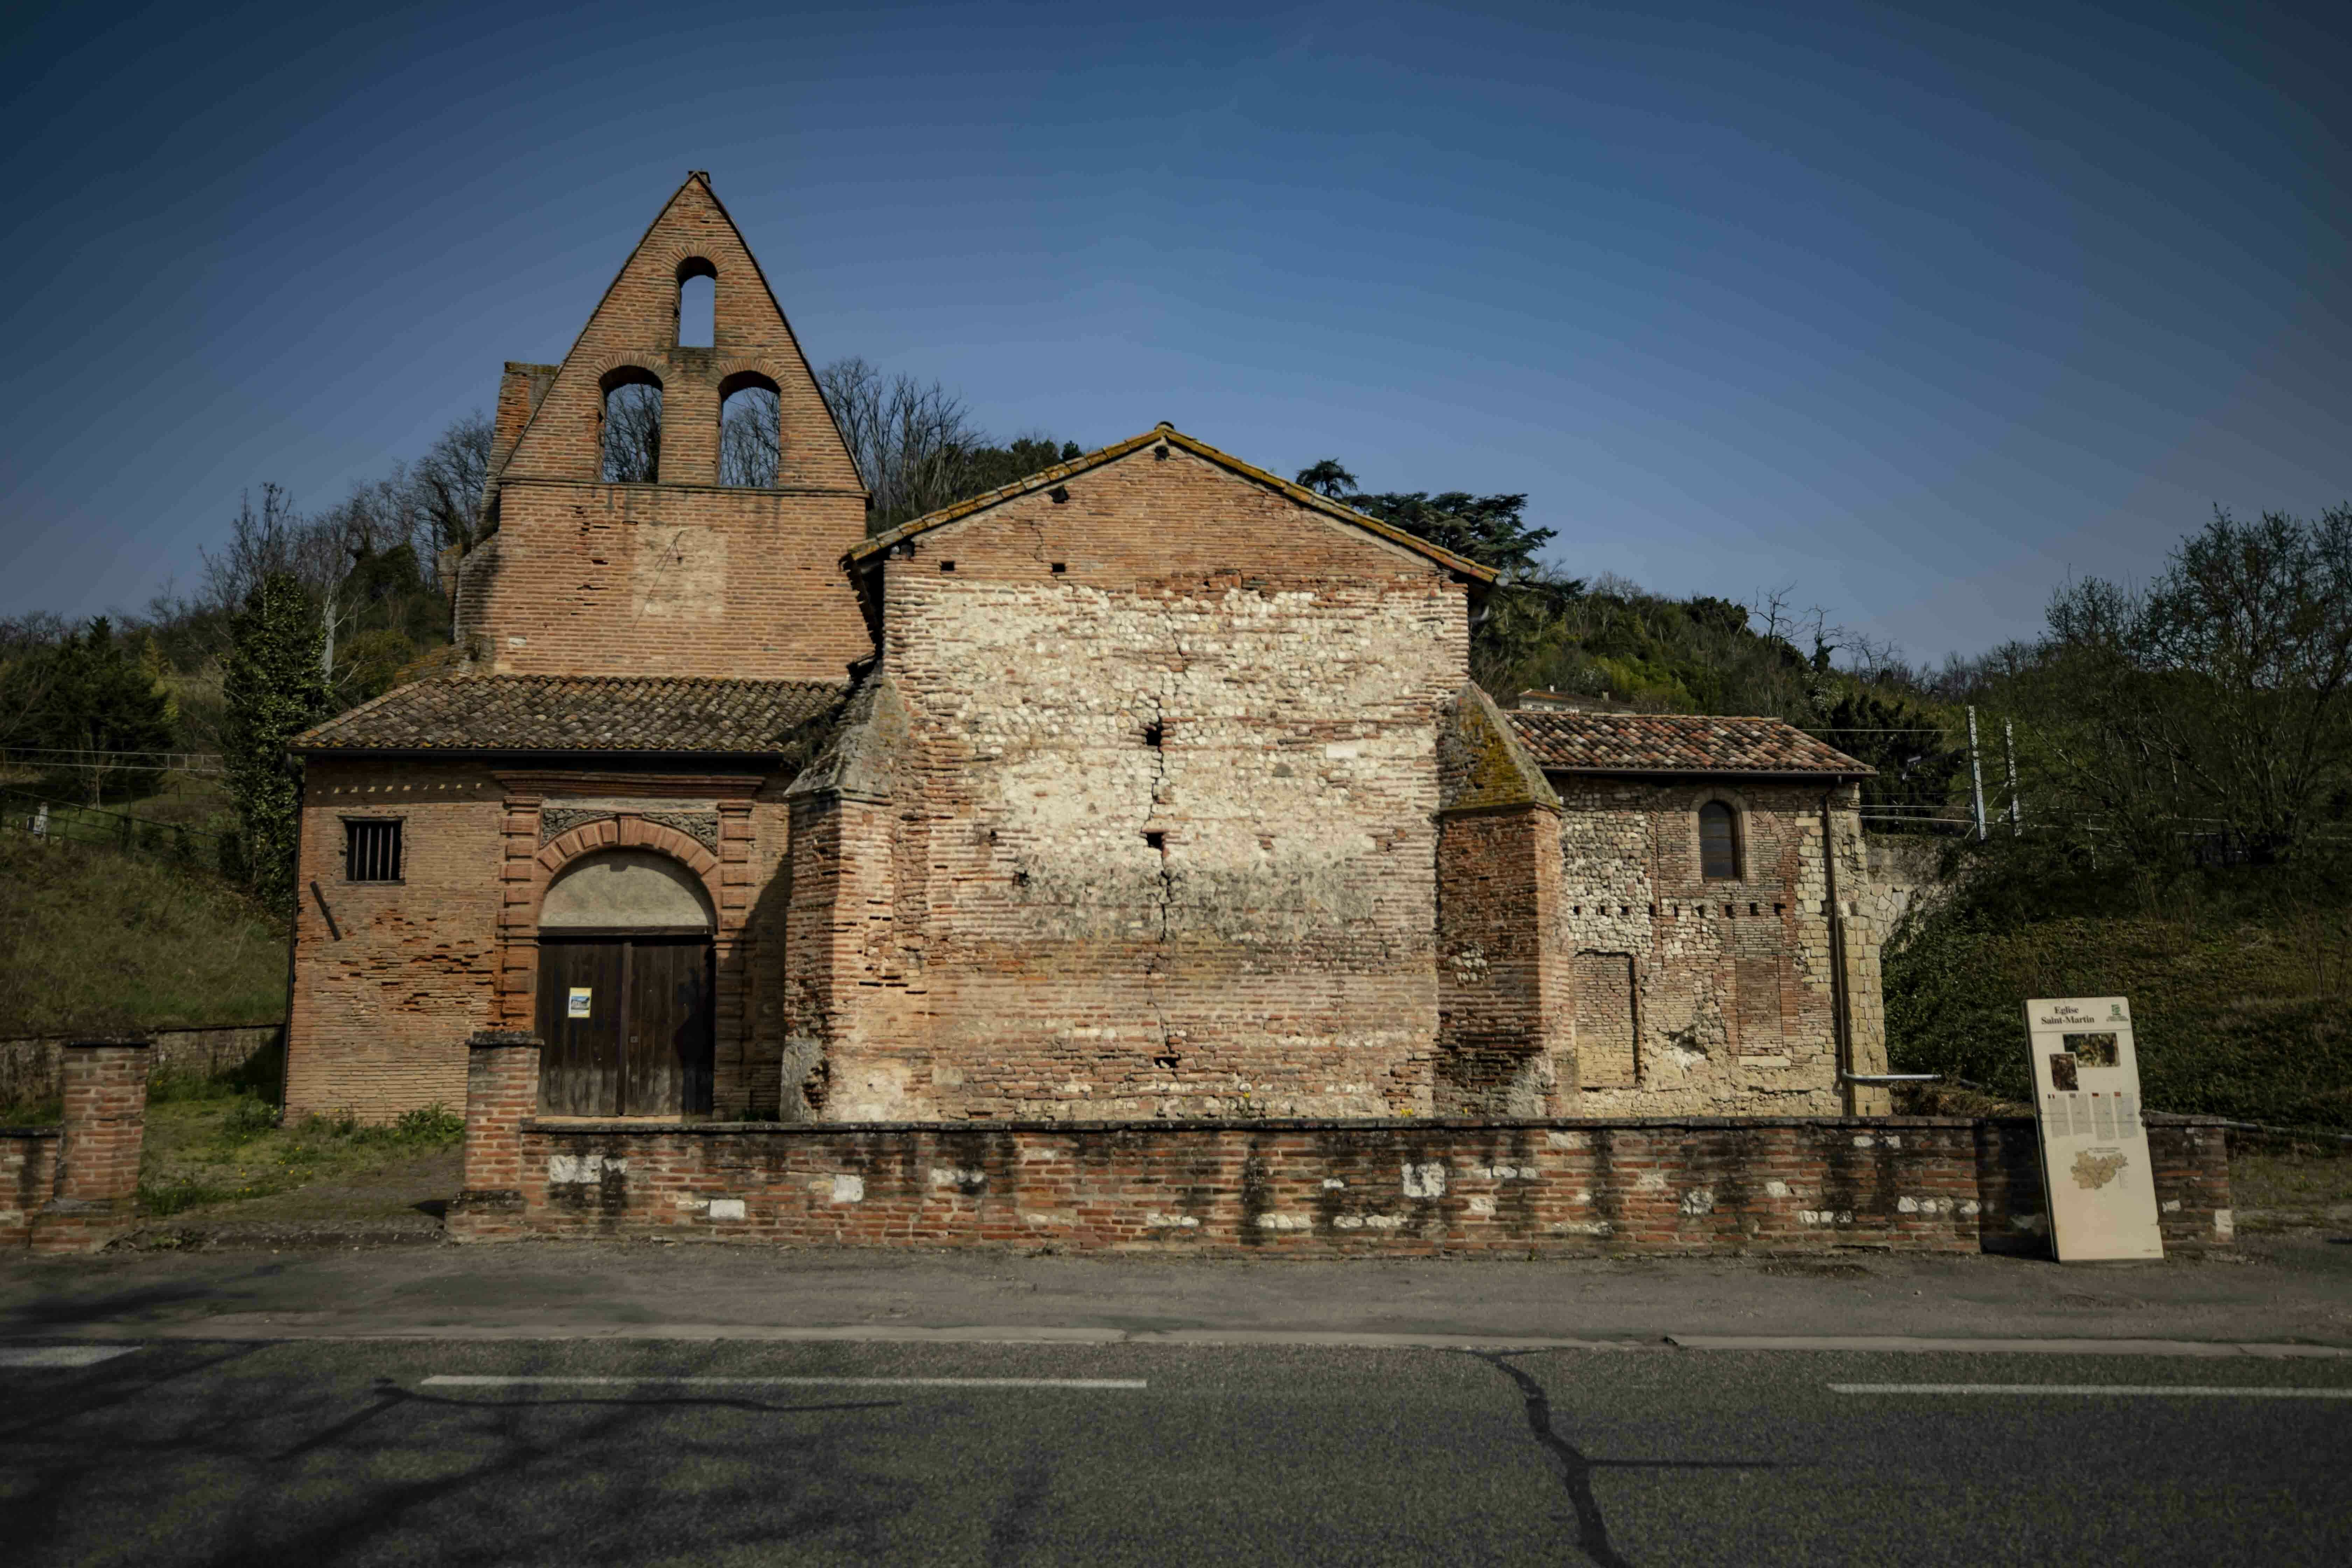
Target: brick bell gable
[[636, 324], [681, 576]]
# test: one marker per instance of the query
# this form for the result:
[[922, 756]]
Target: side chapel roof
[[879, 545], [517, 713], [1655, 744]]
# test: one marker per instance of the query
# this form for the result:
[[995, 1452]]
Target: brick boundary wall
[[28, 1178], [31, 1069], [74, 1187], [1291, 1188]]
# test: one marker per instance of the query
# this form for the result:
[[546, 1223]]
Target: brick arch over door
[[530, 867], [624, 833]]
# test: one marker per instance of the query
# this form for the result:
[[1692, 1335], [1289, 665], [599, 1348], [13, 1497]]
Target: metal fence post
[[1976, 776], [2009, 752]]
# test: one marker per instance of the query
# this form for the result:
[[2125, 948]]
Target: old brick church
[[1151, 786]]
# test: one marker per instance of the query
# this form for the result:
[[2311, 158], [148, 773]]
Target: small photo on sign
[[2061, 1066], [578, 1008], [2092, 1050]]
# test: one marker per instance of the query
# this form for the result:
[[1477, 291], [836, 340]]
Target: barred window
[[371, 851], [1718, 843]]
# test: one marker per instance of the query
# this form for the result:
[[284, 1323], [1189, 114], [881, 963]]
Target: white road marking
[[61, 1355], [1901, 1345], [2122, 1390], [448, 1380]]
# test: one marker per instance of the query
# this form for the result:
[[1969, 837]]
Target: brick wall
[[384, 972], [389, 977], [1731, 991], [96, 1165], [1161, 842], [28, 1178], [30, 1069], [1296, 1188], [669, 579]]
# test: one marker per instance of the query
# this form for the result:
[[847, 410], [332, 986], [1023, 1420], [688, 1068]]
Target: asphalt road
[[260, 1452]]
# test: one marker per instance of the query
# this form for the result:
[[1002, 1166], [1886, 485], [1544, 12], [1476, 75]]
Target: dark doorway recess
[[638, 1043]]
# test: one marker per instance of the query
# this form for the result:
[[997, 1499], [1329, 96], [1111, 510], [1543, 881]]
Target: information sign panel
[[2095, 1171]]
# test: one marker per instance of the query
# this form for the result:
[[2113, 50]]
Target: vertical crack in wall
[[1153, 973], [1157, 733]]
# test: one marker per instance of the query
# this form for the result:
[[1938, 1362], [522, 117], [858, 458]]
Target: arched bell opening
[[626, 982]]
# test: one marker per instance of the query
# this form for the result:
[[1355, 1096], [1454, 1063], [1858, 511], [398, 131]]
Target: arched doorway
[[625, 988]]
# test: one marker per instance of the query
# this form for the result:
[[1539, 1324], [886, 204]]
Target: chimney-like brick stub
[[1308, 1188], [501, 1094], [96, 1181]]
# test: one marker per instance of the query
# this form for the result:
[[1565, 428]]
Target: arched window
[[697, 303], [1718, 843], [750, 441], [631, 436]]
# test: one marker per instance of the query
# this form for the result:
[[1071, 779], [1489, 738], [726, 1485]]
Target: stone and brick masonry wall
[[73, 1187], [1160, 839], [33, 1069], [1291, 1188]]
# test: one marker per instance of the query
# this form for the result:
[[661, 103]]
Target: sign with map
[[2095, 1171]]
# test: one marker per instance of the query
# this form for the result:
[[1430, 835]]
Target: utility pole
[[2009, 753], [1976, 776]]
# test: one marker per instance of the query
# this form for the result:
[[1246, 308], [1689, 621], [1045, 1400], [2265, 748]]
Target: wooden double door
[[627, 1025]]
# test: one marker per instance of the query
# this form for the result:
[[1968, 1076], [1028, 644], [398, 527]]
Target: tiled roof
[[577, 713], [880, 543], [1678, 743]]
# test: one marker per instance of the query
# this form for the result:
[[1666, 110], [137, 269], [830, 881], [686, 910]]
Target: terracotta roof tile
[[1678, 743], [577, 713]]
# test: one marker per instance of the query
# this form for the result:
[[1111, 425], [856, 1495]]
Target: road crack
[[1576, 1470]]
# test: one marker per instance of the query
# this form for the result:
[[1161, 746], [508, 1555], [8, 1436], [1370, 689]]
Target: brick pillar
[[1502, 979], [501, 1093], [1501, 986], [732, 1070], [97, 1159], [520, 877]]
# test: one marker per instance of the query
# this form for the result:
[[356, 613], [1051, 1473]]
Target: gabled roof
[[1045, 478], [1573, 742], [522, 713]]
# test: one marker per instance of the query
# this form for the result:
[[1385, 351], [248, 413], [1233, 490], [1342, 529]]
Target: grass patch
[[91, 940], [2279, 1189], [33, 1113], [204, 1150], [2241, 1017]]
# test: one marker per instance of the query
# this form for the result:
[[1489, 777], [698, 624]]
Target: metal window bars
[[371, 851]]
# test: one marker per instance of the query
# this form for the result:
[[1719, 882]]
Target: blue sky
[[1914, 314]]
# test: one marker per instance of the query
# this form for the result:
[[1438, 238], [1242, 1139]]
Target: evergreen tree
[[1489, 529], [101, 701], [273, 689]]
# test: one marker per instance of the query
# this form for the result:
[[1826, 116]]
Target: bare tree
[[276, 537], [447, 482], [633, 414], [914, 443], [750, 448], [2222, 693]]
